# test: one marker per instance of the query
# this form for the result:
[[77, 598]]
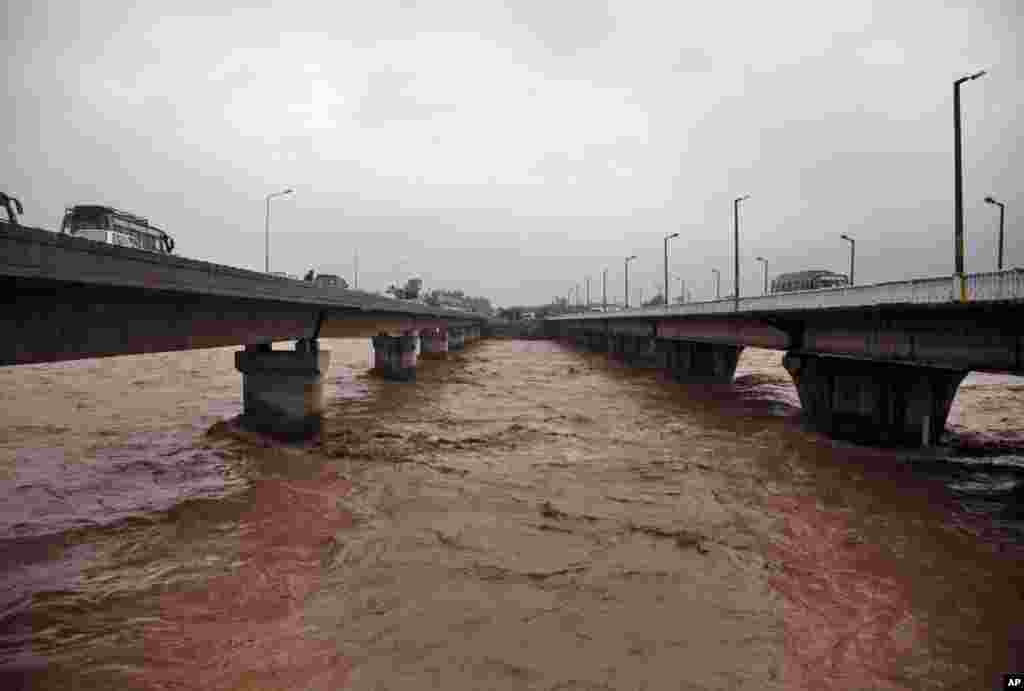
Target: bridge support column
[[456, 339], [282, 390], [640, 351], [434, 344], [616, 347], [874, 402], [701, 362], [394, 357], [597, 341]]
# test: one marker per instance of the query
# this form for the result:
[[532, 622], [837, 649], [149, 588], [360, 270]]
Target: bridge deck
[[68, 298], [40, 254], [993, 287]]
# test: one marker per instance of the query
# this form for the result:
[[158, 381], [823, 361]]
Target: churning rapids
[[522, 516]]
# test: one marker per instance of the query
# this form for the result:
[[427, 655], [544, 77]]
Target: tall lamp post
[[682, 288], [1002, 210], [736, 248], [765, 262], [604, 289], [588, 293], [853, 244], [958, 186], [667, 238], [266, 225], [628, 260], [718, 283]]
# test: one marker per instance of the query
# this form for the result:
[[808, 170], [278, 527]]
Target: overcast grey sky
[[511, 148]]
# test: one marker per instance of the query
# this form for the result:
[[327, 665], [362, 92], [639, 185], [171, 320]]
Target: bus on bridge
[[115, 227]]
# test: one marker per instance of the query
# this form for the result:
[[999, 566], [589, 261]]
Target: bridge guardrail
[[981, 287]]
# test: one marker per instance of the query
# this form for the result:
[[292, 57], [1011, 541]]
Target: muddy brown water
[[523, 516]]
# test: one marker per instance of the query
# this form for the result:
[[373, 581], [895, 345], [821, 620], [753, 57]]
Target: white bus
[[115, 227]]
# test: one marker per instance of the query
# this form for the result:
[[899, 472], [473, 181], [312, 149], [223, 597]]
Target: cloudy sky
[[512, 148]]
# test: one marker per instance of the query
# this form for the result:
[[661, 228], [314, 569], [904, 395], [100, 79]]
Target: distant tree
[[410, 291], [658, 299], [412, 288], [309, 275]]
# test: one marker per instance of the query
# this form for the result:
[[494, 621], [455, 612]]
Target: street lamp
[[765, 262], [628, 260], [958, 186], [667, 238], [588, 293], [1002, 210], [682, 288], [718, 283], [853, 244], [266, 224], [736, 247], [604, 289]]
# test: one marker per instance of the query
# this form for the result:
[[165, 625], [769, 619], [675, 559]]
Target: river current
[[523, 516]]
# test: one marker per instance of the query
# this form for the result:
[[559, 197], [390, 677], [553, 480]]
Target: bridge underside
[[875, 376], [56, 320]]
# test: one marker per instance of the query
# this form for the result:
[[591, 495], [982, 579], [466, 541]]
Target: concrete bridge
[[69, 298], [876, 363]]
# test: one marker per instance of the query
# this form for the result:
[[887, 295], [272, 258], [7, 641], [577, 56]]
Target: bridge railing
[[981, 287]]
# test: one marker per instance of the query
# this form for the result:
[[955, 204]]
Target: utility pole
[[604, 289], [667, 238], [588, 292], [1002, 210], [718, 283], [736, 248], [628, 260], [853, 243], [266, 225], [958, 187], [355, 270]]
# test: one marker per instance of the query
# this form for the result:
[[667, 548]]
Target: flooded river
[[523, 516]]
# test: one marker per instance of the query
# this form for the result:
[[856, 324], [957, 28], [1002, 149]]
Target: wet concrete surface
[[521, 516]]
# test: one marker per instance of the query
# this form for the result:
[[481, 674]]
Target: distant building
[[330, 281]]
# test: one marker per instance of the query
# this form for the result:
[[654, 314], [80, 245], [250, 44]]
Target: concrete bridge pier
[[874, 402], [580, 338], [597, 341], [434, 344], [700, 362], [394, 357], [282, 390], [617, 347], [640, 351], [456, 339]]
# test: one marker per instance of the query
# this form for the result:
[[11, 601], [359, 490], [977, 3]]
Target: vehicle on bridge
[[115, 227], [13, 206], [811, 279]]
